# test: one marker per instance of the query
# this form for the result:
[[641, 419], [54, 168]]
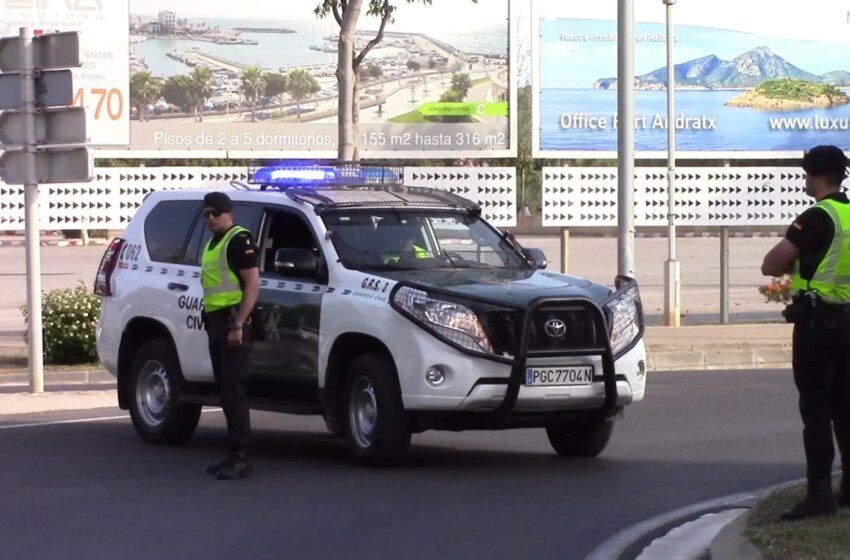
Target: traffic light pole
[[33, 237]]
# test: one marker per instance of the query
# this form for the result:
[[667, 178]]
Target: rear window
[[167, 227]]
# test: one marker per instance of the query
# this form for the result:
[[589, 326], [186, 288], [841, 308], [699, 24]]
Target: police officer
[[231, 280], [816, 252]]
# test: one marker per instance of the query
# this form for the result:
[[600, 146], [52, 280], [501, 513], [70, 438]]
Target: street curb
[[52, 242], [770, 356], [731, 544], [92, 377]]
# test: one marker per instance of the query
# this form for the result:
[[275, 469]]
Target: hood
[[513, 287]]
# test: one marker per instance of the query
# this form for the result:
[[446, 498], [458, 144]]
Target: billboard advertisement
[[102, 84], [752, 80], [257, 78]]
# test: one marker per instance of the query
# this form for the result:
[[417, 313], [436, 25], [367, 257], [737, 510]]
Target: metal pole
[[36, 363], [672, 274], [626, 137], [724, 275]]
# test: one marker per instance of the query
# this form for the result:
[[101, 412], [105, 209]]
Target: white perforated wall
[[704, 196]]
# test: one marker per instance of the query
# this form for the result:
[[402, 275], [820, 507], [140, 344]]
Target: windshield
[[383, 239]]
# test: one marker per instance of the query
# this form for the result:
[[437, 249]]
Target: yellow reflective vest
[[220, 283], [831, 280]]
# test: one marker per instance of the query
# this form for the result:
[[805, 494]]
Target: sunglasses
[[213, 213]]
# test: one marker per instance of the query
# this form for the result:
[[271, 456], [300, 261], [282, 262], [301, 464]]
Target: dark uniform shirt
[[812, 234]]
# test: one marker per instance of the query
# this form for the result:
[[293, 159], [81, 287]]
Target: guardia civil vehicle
[[389, 310]]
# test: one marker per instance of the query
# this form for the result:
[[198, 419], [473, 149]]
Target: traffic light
[[36, 89]]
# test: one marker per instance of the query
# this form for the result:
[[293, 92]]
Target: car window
[[285, 230], [245, 215], [167, 227]]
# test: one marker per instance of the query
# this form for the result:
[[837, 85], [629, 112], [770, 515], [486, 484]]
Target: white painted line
[[58, 422], [80, 421]]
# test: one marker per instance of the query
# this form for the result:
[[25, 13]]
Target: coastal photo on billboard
[[101, 83], [764, 82], [259, 76]]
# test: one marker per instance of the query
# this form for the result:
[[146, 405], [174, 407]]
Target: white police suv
[[389, 310]]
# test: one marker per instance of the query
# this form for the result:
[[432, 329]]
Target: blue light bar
[[293, 175]]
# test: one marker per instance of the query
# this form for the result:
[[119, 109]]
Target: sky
[[450, 16]]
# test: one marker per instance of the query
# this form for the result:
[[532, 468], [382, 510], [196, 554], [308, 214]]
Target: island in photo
[[769, 81]]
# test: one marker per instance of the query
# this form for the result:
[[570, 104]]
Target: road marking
[[58, 422], [79, 421]]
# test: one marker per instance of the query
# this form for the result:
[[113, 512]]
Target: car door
[[285, 359], [191, 338]]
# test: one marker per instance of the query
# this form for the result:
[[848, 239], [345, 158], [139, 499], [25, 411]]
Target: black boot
[[237, 466], [844, 492], [212, 470], [819, 502]]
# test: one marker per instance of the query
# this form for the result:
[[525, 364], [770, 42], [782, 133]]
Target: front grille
[[503, 329], [562, 328]]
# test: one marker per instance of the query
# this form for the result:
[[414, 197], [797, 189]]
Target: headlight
[[625, 316], [452, 322]]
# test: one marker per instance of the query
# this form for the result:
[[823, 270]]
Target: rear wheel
[[154, 399], [377, 426], [580, 439]]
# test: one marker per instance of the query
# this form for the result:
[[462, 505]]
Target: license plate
[[567, 375]]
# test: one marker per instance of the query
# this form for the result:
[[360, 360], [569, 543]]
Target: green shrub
[[78, 234], [69, 320], [778, 291]]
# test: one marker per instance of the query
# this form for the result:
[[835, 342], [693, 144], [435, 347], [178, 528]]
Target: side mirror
[[299, 262], [538, 257]]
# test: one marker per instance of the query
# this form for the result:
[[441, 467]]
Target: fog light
[[435, 376], [641, 369]]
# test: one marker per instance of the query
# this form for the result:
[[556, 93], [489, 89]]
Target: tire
[[154, 396], [376, 425], [580, 440]]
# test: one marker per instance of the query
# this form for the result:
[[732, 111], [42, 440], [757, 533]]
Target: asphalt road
[[94, 490]]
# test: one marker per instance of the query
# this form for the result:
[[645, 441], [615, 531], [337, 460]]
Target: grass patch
[[480, 81], [415, 117], [11, 365], [815, 539]]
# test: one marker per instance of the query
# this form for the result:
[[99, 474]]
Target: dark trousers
[[821, 360], [230, 368]]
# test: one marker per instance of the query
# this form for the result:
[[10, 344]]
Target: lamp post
[[672, 301], [626, 137]]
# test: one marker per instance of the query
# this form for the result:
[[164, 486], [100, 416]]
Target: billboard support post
[[672, 273], [626, 137]]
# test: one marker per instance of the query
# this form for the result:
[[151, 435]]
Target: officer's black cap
[[218, 201], [825, 160]]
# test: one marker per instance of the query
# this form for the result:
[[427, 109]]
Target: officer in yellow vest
[[816, 252], [230, 277]]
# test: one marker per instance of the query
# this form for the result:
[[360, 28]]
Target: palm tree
[[462, 83], [301, 85], [276, 86], [253, 84], [201, 89], [144, 90]]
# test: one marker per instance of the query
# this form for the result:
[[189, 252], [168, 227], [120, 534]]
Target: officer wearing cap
[[816, 252], [230, 277]]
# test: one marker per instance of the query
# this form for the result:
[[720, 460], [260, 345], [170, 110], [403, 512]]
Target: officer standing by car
[[231, 281], [816, 252]]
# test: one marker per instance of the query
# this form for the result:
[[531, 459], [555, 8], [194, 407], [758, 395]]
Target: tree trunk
[[347, 80], [355, 115]]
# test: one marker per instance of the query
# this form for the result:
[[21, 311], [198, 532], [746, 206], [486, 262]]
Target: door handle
[[177, 287]]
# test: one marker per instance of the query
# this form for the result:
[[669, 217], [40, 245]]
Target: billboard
[[752, 80], [102, 84], [257, 78]]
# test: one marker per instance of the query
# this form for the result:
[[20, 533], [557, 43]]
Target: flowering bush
[[779, 290], [69, 320]]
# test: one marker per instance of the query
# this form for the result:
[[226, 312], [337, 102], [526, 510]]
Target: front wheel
[[155, 407], [377, 426], [580, 439]]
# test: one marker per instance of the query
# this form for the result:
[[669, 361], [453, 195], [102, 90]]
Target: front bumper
[[489, 386]]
